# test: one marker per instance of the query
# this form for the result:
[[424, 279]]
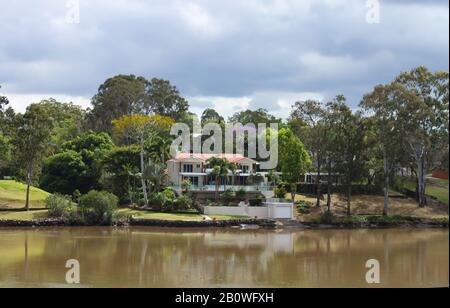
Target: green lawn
[[12, 195], [173, 216], [23, 215], [435, 187]]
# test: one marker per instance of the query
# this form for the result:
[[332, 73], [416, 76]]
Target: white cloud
[[19, 102]]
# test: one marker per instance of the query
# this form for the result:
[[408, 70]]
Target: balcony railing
[[234, 188]]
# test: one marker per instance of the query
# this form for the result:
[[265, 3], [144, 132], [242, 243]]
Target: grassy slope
[[435, 187], [12, 195], [23, 215]]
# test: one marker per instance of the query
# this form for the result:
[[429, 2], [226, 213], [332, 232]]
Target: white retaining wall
[[268, 211]]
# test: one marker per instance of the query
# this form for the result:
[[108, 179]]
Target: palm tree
[[156, 174], [216, 173], [221, 169]]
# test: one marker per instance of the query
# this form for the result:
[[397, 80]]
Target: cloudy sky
[[224, 54]]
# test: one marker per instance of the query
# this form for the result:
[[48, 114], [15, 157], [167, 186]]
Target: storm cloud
[[224, 54]]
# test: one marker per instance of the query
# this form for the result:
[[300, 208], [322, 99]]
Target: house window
[[188, 168], [245, 169]]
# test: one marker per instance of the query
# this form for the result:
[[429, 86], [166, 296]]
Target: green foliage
[[59, 206], [256, 202], [64, 173], [240, 194], [228, 196], [122, 167], [127, 94], [304, 207], [98, 207], [78, 167], [327, 218], [280, 192], [182, 203]]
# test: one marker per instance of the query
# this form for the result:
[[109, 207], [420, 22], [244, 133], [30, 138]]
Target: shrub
[[182, 203], [256, 202], [59, 205], [98, 207], [240, 194], [158, 201], [280, 192], [304, 207], [228, 196], [327, 218], [212, 203]]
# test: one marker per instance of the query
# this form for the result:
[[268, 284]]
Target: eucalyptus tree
[[31, 141], [349, 139], [425, 118], [313, 134], [382, 104]]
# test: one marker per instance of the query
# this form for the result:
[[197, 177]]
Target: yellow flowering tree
[[139, 129]]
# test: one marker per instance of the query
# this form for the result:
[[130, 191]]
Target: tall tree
[[294, 160], [254, 117], [30, 141], [383, 104], [3, 101], [425, 117], [211, 116], [139, 129], [313, 134], [349, 134], [118, 96], [164, 99], [67, 121]]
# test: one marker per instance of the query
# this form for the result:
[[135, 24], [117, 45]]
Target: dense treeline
[[122, 143]]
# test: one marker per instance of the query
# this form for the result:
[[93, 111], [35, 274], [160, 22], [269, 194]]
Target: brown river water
[[146, 257]]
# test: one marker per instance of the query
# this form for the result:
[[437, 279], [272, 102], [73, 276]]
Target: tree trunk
[[421, 181], [318, 185], [329, 187], [349, 199], [29, 177], [293, 192], [144, 184], [386, 185]]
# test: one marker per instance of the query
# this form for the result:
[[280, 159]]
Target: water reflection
[[140, 257]]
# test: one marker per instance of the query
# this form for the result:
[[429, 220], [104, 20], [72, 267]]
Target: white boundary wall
[[270, 210]]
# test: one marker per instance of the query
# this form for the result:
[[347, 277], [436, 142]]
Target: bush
[[240, 194], [182, 203], [98, 207], [256, 202], [59, 205], [304, 207], [280, 192], [228, 196], [212, 203], [327, 218]]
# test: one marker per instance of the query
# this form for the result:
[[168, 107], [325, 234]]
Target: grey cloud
[[222, 48]]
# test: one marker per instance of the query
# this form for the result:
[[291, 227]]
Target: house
[[194, 167]]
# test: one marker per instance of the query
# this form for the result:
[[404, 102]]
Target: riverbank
[[356, 222]]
